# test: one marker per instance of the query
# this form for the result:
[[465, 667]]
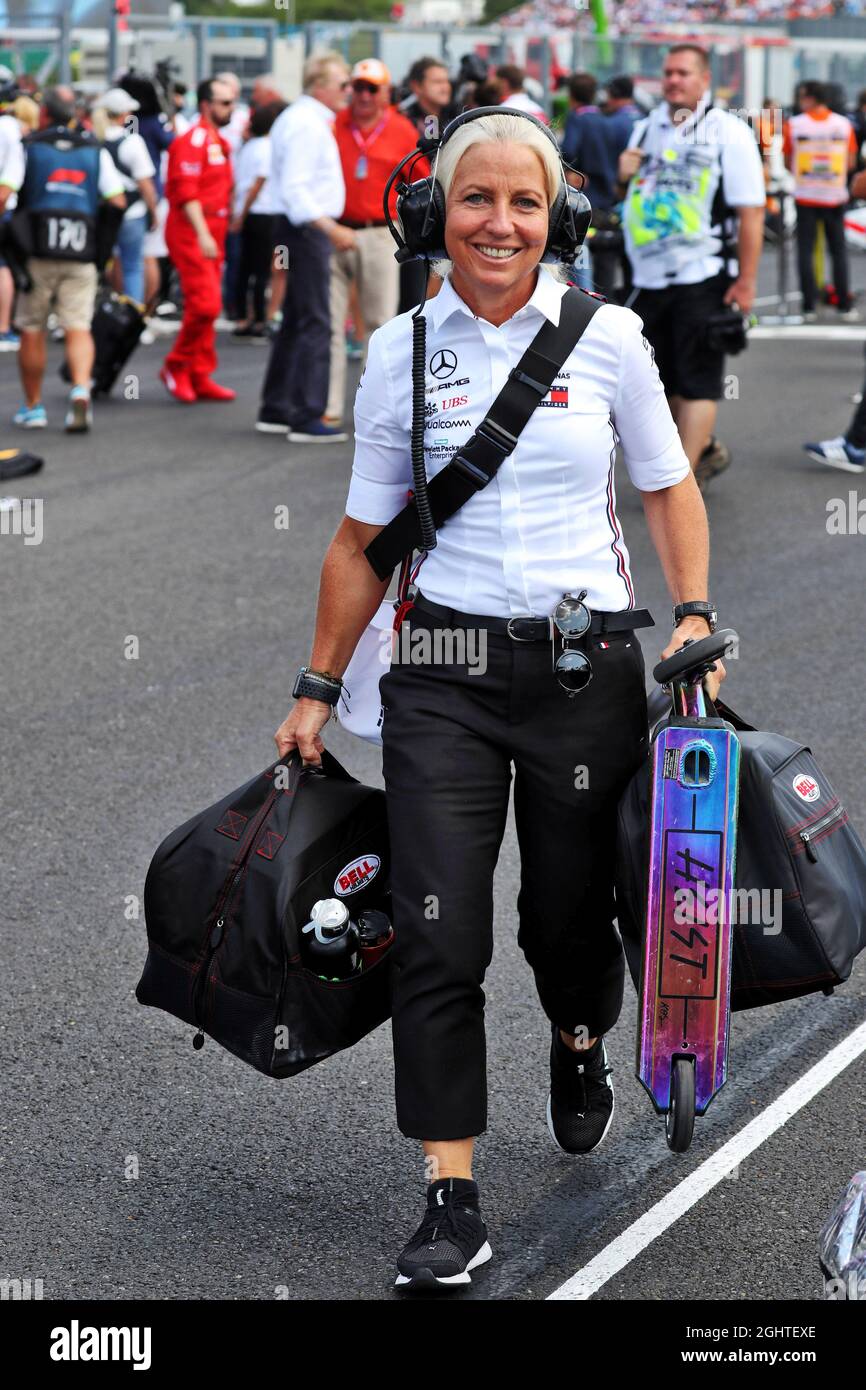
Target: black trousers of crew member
[[834, 231], [449, 741], [254, 271], [296, 383]]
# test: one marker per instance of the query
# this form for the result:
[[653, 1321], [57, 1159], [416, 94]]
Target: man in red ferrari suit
[[198, 188]]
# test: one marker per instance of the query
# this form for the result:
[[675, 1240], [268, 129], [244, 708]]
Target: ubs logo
[[443, 363]]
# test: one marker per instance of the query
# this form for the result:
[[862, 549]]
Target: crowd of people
[[271, 215], [625, 15]]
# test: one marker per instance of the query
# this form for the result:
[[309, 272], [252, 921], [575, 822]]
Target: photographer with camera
[[690, 168]]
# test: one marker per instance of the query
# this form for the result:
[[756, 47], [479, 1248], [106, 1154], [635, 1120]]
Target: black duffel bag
[[794, 843], [225, 899]]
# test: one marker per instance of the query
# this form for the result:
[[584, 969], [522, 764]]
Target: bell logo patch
[[357, 875], [806, 787]]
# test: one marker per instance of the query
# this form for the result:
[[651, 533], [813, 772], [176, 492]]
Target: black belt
[[360, 226], [534, 629]]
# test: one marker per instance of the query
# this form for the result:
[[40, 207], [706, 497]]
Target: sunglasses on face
[[572, 619], [369, 87], [217, 102]]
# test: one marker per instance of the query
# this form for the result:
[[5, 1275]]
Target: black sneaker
[[581, 1102], [451, 1240]]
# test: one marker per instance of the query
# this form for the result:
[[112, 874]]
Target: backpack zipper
[[806, 835]]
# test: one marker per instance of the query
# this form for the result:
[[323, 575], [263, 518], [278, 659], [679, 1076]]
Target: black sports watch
[[697, 608], [314, 685]]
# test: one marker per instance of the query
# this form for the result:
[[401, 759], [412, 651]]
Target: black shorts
[[674, 321]]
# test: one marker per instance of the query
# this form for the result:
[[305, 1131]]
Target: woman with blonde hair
[[535, 566]]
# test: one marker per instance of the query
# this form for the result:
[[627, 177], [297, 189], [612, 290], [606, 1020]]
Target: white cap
[[329, 913], [117, 102]]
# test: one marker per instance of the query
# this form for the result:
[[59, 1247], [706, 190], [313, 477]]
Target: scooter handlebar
[[693, 657]]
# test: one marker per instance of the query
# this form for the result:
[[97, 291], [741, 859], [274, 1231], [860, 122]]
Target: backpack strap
[[477, 461]]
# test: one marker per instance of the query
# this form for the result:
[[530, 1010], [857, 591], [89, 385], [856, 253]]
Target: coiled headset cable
[[419, 362]]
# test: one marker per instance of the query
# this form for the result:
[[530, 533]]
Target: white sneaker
[[838, 453], [79, 416]]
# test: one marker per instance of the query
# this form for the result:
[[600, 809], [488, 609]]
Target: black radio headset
[[421, 209]]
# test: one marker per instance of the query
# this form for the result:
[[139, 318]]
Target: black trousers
[[296, 382], [257, 250], [834, 231], [856, 431], [450, 738]]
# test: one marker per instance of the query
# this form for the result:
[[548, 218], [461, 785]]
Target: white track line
[[686, 1194], [812, 332]]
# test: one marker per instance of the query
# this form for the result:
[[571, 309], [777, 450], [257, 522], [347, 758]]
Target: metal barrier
[[749, 62]]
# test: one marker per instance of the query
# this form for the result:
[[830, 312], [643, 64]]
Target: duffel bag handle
[[294, 764]]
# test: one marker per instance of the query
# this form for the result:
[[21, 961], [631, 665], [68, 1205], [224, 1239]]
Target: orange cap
[[371, 70]]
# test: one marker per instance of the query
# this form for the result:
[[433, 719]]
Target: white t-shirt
[[135, 157], [254, 162], [547, 522], [670, 234], [522, 101], [234, 131], [10, 154]]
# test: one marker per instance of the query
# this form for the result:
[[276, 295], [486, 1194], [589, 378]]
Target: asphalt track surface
[[134, 1167]]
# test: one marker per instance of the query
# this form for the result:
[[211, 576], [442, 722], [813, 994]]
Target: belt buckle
[[518, 618]]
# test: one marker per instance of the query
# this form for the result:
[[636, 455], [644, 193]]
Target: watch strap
[[696, 608], [310, 685]]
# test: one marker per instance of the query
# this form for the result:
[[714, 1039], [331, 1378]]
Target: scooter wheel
[[680, 1119]]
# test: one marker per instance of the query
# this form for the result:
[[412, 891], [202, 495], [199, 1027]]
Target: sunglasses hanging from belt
[[572, 620]]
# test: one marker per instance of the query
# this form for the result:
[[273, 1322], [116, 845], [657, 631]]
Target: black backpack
[[225, 899], [797, 842]]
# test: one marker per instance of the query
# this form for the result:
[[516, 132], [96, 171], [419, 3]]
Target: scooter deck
[[686, 981]]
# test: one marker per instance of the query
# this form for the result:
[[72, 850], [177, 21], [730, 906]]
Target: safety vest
[[674, 207], [61, 193], [820, 158]]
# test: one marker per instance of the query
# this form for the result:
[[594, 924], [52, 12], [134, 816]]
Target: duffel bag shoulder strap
[[717, 709], [476, 462]]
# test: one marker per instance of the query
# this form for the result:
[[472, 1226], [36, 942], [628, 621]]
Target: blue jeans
[[130, 240]]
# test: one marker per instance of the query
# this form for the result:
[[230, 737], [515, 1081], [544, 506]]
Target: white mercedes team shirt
[[547, 523]]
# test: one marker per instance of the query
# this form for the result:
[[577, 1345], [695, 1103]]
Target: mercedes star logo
[[443, 363]]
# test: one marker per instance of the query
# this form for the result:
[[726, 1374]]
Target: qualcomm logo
[[453, 424]]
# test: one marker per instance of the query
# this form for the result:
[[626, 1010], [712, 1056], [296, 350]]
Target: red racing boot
[[178, 384], [206, 389]]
